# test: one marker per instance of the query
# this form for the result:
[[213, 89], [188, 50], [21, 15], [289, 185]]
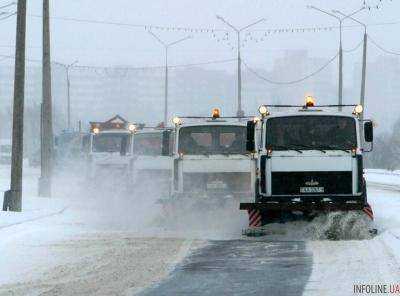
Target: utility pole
[[13, 197], [167, 46], [364, 60], [340, 91], [47, 117], [240, 112]]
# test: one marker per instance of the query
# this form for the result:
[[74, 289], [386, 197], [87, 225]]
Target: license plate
[[312, 189], [216, 185]]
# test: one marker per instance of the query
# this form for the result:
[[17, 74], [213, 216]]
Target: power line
[[266, 31], [354, 48], [8, 5], [122, 24], [213, 62], [377, 5], [204, 63], [153, 67], [26, 59], [8, 16], [382, 48], [293, 81]]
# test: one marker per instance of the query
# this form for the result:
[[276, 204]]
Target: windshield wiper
[[205, 154], [335, 147], [286, 148], [308, 147]]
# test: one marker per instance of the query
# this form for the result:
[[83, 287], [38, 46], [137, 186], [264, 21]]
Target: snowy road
[[301, 267], [241, 267], [80, 252]]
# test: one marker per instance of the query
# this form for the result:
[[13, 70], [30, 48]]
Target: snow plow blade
[[339, 219], [303, 206]]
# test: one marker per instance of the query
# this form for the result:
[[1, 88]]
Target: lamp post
[[340, 20], [240, 112], [364, 59], [166, 47], [67, 68]]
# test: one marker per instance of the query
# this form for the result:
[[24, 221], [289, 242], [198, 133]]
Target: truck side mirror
[[166, 135], [250, 144], [368, 132], [124, 144]]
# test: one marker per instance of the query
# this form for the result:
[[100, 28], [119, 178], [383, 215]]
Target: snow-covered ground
[[77, 245], [339, 265], [74, 244]]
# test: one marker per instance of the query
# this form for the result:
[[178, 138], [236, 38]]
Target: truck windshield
[[147, 144], [311, 133], [212, 139], [110, 142]]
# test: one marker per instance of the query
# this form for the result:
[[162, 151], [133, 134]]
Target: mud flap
[[255, 218], [368, 211]]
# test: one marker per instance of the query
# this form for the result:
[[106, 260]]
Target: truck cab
[[210, 159], [309, 159], [108, 148], [152, 158]]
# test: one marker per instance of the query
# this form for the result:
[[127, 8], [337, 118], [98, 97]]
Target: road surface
[[81, 252]]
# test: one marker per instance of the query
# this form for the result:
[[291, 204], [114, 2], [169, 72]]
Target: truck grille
[[224, 182], [290, 183]]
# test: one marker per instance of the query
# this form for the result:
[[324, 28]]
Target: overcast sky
[[97, 44]]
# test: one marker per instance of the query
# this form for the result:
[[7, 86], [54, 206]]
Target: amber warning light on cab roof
[[216, 113], [310, 101]]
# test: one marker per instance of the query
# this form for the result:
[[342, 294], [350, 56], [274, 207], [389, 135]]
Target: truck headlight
[[132, 127], [263, 110], [176, 120], [358, 109]]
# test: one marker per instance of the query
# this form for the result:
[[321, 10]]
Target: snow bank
[[383, 178], [102, 264], [80, 243], [339, 265], [34, 209]]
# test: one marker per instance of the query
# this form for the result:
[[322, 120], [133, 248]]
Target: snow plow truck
[[211, 167], [307, 161]]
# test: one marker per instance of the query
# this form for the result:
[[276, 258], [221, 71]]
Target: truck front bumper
[[307, 205]]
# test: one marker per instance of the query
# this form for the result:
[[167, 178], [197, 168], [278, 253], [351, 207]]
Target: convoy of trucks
[[299, 161]]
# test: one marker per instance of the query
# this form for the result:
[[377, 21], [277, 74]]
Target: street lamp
[[67, 67], [340, 19], [167, 46], [364, 59], [240, 112]]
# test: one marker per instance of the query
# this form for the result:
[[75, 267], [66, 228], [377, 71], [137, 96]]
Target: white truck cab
[[109, 148], [309, 159], [210, 158], [152, 158]]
